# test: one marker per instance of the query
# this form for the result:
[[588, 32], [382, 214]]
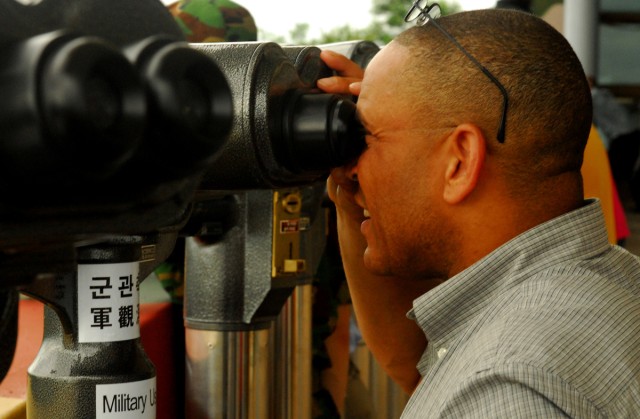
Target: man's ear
[[466, 150]]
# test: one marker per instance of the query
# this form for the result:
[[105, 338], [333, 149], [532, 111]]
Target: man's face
[[398, 173]]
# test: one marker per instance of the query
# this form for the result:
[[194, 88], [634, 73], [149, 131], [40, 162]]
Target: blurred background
[[606, 36]]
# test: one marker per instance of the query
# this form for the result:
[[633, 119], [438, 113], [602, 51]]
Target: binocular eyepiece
[[320, 131]]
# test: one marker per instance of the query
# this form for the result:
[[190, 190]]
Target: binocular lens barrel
[[72, 107]]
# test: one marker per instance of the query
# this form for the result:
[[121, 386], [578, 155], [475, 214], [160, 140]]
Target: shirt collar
[[449, 307]]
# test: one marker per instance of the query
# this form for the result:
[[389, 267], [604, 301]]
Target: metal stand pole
[[91, 363], [239, 363], [292, 354], [228, 374], [581, 30]]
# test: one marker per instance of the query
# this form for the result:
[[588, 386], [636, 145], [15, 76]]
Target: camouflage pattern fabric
[[214, 21]]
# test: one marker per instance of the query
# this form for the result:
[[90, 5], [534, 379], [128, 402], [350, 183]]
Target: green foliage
[[540, 7], [299, 33], [393, 10], [271, 37], [387, 22]]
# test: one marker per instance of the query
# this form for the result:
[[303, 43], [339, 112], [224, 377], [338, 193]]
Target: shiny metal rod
[[227, 374], [292, 356]]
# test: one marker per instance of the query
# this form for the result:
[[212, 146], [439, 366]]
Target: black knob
[[73, 109]]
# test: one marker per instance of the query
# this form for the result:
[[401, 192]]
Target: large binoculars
[[111, 124], [79, 112], [89, 127]]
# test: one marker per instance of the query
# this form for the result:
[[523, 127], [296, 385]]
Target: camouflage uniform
[[214, 21]]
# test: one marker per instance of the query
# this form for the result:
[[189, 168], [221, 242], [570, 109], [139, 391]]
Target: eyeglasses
[[422, 13]]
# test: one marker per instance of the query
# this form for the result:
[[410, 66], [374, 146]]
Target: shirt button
[[441, 352]]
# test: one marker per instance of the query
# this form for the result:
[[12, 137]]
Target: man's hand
[[341, 189], [349, 74]]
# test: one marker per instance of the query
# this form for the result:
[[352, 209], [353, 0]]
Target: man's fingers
[[349, 74], [341, 188], [342, 65], [341, 85]]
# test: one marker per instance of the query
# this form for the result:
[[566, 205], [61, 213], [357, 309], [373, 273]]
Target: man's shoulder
[[575, 297], [566, 336], [578, 325]]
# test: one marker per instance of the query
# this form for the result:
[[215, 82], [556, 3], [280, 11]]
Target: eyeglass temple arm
[[503, 91]]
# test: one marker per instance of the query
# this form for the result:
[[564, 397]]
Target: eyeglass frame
[[423, 17]]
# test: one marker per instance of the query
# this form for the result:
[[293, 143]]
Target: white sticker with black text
[[108, 302], [127, 400]]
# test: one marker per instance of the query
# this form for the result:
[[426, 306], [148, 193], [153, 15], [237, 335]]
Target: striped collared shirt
[[546, 326]]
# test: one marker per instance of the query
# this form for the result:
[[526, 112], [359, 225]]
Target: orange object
[[597, 178]]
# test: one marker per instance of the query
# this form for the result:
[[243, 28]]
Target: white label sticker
[[108, 302], [127, 400]]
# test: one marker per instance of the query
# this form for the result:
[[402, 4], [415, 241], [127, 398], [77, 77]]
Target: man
[[466, 210]]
